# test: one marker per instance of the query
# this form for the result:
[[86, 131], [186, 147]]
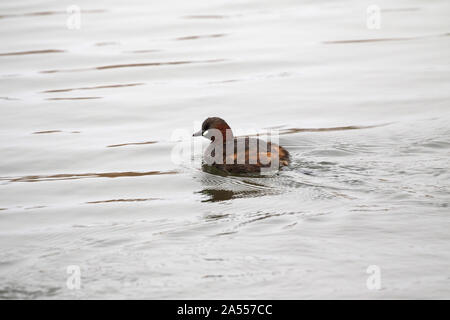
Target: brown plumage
[[239, 155]]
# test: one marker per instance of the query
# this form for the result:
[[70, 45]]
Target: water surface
[[86, 176]]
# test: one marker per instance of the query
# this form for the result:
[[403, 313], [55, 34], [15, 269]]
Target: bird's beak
[[198, 134]]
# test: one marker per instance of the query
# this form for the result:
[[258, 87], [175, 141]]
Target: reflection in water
[[19, 292], [218, 35], [223, 81], [74, 98], [205, 17], [143, 51], [216, 217], [45, 132], [350, 195], [296, 130], [213, 170], [46, 13], [53, 131], [35, 207], [366, 40], [400, 9], [106, 43], [122, 200], [152, 64], [216, 195], [383, 39]]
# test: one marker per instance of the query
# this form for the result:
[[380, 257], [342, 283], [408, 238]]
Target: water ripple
[[75, 176], [20, 53], [134, 65], [96, 87]]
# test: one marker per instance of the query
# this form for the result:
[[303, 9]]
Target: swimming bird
[[239, 155]]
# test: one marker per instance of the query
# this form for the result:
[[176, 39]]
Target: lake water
[[86, 134]]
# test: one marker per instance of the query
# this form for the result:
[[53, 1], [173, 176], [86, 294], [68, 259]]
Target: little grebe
[[239, 155]]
